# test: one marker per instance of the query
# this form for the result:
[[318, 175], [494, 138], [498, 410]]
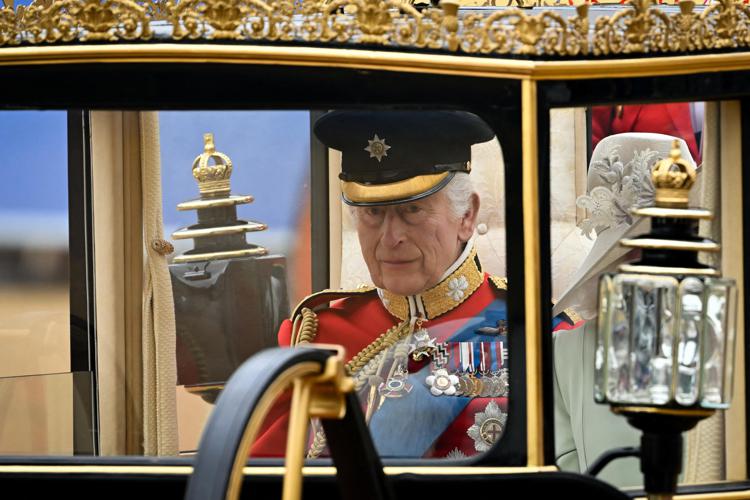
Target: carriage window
[[403, 263], [601, 161], [211, 232], [35, 359], [242, 257]]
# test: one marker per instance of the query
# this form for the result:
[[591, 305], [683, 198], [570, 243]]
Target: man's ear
[[469, 220]]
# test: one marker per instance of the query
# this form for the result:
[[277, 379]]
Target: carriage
[[137, 131]]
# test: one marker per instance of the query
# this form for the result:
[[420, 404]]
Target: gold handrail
[[315, 395]]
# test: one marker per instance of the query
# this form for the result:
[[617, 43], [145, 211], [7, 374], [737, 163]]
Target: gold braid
[[308, 328], [318, 444], [386, 340], [364, 356]]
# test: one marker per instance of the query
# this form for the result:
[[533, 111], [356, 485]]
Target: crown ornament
[[218, 233], [212, 170], [673, 177]]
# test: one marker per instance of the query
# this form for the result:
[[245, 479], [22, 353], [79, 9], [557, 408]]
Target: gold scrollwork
[[156, 10], [513, 31], [645, 28], [640, 28], [74, 20], [231, 19], [8, 26], [377, 22], [725, 24]]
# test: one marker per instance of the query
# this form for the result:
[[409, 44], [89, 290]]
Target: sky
[[270, 151], [35, 159]]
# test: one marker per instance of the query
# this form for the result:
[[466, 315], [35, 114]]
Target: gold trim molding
[[640, 28], [253, 470]]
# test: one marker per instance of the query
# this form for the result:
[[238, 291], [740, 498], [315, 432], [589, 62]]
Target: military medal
[[501, 383], [423, 345], [442, 383], [479, 367], [396, 386], [488, 426]]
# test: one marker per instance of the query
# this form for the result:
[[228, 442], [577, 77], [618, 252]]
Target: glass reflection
[[622, 142]]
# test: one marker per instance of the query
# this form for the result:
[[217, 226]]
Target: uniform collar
[[458, 283]]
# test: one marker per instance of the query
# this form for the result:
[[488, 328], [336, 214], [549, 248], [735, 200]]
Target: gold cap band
[[394, 192]]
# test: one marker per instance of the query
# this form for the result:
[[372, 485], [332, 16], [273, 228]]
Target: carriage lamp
[[229, 294], [666, 329]]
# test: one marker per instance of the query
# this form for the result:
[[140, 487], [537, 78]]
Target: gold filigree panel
[[645, 28], [641, 27]]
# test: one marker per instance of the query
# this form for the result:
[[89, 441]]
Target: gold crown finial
[[673, 177], [212, 169], [208, 143]]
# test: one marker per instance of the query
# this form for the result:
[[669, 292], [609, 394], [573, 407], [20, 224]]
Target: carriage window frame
[[706, 87], [81, 308], [548, 96], [505, 96]]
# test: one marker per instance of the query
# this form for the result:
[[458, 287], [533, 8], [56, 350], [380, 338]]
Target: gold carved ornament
[[74, 20], [673, 177], [647, 29], [641, 28]]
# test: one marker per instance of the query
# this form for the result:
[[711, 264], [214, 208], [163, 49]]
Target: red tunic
[[354, 322]]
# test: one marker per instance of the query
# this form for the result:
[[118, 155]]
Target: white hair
[[458, 191]]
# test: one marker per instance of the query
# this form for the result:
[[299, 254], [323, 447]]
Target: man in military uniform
[[427, 345]]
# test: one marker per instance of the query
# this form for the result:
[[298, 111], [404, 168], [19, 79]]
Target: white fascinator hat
[[619, 180]]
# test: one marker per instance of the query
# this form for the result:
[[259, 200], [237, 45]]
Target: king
[[427, 345]]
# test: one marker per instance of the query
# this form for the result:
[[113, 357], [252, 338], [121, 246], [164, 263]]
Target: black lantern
[[665, 332]]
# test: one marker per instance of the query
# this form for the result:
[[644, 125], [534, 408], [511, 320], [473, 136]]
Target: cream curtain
[[135, 313], [159, 360], [704, 445], [716, 447], [732, 267]]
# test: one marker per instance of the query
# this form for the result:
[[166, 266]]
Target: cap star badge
[[377, 148]]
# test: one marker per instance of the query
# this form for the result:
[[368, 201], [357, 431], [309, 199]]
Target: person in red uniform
[[671, 119], [427, 346]]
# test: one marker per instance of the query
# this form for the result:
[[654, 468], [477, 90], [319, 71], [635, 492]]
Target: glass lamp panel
[[644, 321], [651, 339], [640, 335], [691, 302], [617, 340], [661, 364], [730, 338], [600, 352], [718, 344]]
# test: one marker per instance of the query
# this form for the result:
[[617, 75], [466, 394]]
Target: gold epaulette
[[305, 321], [325, 296], [500, 283], [574, 317], [304, 328]]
